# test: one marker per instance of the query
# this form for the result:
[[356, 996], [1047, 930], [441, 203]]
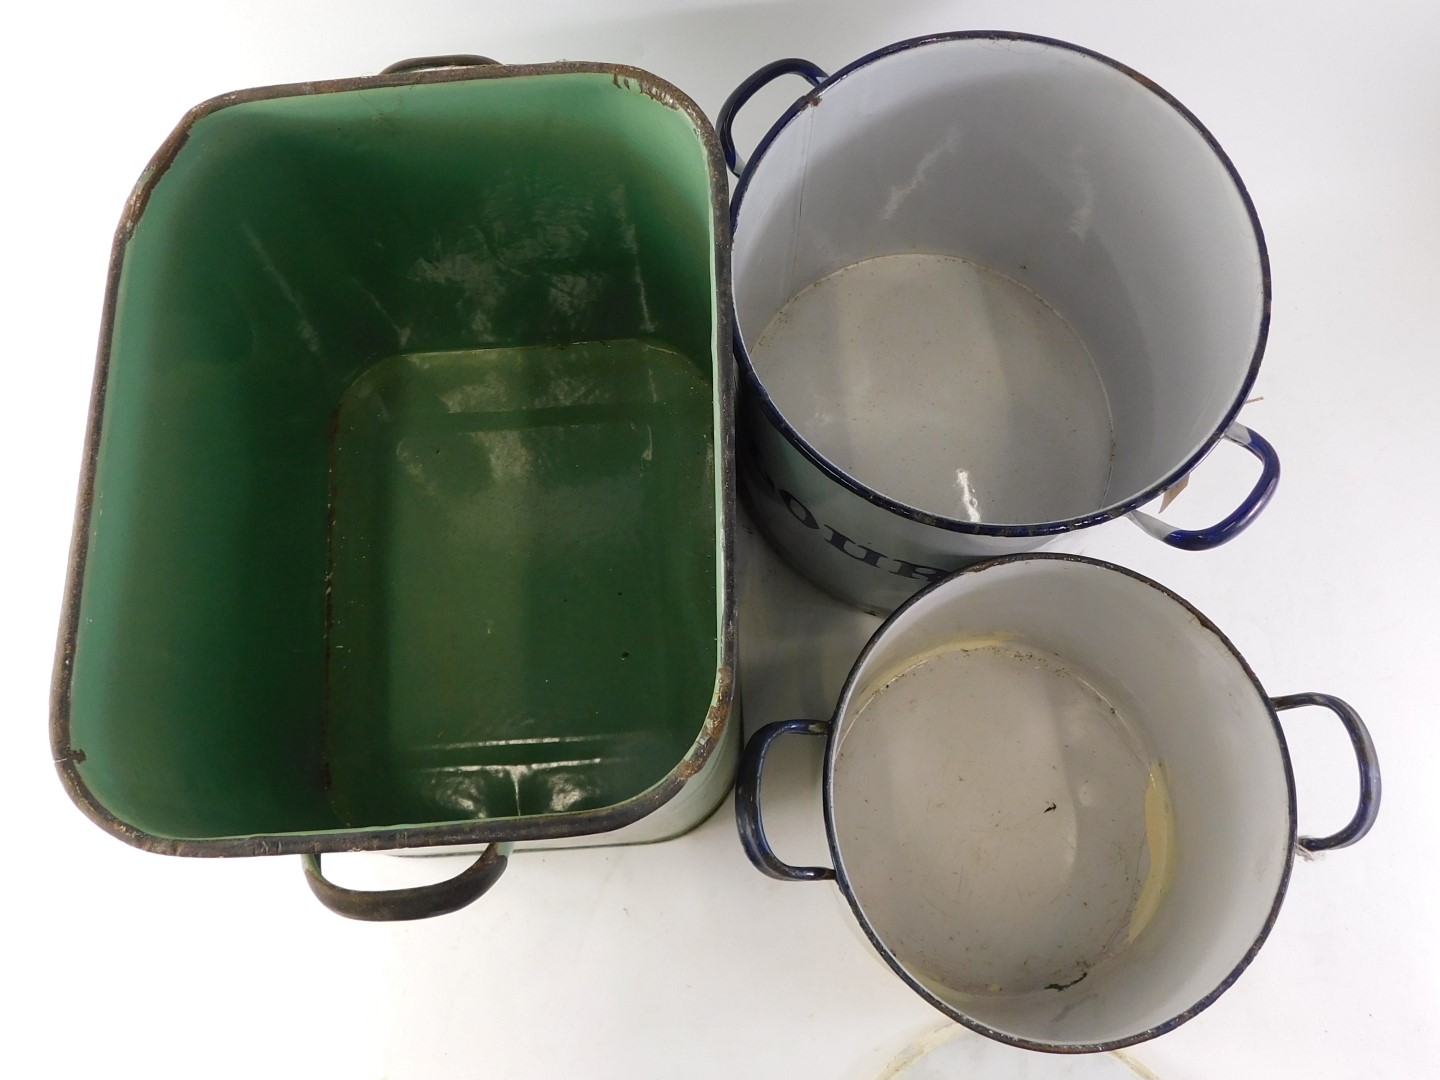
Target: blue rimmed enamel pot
[[1058, 802], [992, 291]]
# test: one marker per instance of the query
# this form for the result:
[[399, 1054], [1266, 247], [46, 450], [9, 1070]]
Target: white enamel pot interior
[[997, 284], [1058, 802]]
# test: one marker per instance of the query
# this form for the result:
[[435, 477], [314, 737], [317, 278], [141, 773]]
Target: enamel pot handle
[[747, 803], [747, 89], [420, 902], [434, 63], [1369, 805], [1238, 520]]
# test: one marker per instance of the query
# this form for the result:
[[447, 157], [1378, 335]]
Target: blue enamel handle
[[746, 90], [1369, 806], [747, 803], [1236, 523]]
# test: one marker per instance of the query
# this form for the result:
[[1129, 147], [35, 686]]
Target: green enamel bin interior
[[405, 506]]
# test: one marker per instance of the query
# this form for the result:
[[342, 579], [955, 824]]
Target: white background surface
[[678, 960]]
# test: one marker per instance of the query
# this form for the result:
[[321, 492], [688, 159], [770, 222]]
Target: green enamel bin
[[406, 513]]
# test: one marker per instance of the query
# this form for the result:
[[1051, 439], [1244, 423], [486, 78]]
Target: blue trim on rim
[[842, 879], [1049, 528]]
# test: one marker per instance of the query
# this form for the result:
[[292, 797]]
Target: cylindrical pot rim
[[1198, 628], [832, 745], [753, 384]]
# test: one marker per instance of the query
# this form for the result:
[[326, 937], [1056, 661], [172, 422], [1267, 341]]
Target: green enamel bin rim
[[718, 717]]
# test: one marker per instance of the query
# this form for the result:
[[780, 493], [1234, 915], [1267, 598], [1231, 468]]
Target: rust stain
[[719, 715], [687, 768]]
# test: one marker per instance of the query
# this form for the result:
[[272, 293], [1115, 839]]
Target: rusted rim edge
[[541, 827]]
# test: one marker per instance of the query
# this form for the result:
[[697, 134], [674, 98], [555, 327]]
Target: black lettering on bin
[[869, 556], [838, 540], [797, 508], [913, 570]]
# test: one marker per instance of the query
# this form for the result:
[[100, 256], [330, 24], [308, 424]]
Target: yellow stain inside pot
[[914, 660], [1160, 839]]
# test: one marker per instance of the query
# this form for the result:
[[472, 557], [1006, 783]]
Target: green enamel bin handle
[[420, 902], [430, 63]]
